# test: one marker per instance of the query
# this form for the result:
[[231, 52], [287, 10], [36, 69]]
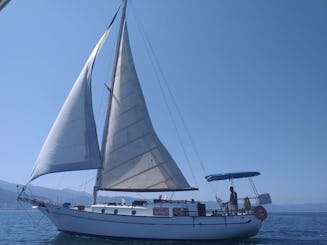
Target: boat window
[[201, 209], [180, 211], [141, 203], [161, 211]]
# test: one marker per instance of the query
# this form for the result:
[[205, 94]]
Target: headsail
[[133, 157], [72, 143]]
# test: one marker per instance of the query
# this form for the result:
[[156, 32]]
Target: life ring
[[260, 213]]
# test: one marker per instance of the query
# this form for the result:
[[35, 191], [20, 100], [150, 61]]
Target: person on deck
[[233, 200]]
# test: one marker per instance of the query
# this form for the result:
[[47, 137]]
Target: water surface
[[31, 227]]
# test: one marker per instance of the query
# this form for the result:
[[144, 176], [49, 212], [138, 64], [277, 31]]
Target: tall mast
[[122, 22]]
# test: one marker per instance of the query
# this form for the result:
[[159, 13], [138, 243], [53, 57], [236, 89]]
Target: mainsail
[[72, 143], [133, 157]]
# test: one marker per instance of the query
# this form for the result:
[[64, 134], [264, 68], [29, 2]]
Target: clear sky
[[250, 78]]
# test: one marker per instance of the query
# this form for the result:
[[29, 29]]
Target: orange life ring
[[260, 213]]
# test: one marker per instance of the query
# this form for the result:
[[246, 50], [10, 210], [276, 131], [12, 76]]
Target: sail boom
[[149, 190]]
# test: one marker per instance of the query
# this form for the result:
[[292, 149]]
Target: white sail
[[72, 143], [134, 159]]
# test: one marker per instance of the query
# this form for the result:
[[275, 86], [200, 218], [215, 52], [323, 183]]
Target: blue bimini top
[[237, 175]]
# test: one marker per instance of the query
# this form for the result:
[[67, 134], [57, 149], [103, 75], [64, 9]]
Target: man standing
[[233, 200]]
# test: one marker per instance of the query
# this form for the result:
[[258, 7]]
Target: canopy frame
[[230, 176]]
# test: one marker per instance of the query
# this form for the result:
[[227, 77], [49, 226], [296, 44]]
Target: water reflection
[[64, 238]]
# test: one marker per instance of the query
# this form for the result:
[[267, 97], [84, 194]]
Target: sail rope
[[171, 116], [25, 208], [34, 221], [163, 81]]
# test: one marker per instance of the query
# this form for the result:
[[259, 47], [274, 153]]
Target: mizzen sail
[[133, 157], [72, 143]]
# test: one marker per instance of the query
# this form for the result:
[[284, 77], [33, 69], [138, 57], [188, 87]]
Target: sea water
[[31, 227]]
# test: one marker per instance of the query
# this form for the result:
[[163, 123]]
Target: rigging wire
[[253, 187], [162, 80], [33, 220], [26, 210]]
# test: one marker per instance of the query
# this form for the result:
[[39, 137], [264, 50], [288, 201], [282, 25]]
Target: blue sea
[[31, 227]]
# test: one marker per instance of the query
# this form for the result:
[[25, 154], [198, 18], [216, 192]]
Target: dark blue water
[[22, 227]]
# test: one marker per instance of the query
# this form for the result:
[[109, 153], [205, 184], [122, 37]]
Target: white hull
[[149, 227]]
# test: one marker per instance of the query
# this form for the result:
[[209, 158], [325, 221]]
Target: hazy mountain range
[[9, 191]]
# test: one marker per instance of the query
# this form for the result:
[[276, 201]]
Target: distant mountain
[[8, 200], [8, 195], [8, 186], [9, 192]]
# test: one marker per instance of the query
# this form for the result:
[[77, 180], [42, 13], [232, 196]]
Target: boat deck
[[159, 208]]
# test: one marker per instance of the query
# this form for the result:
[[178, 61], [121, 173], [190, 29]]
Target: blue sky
[[248, 76]]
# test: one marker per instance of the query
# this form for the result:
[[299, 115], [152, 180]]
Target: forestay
[[134, 159]]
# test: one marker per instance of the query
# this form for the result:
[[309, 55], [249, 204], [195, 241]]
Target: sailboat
[[131, 159]]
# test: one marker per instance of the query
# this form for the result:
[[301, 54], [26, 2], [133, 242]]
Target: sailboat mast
[[122, 22]]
